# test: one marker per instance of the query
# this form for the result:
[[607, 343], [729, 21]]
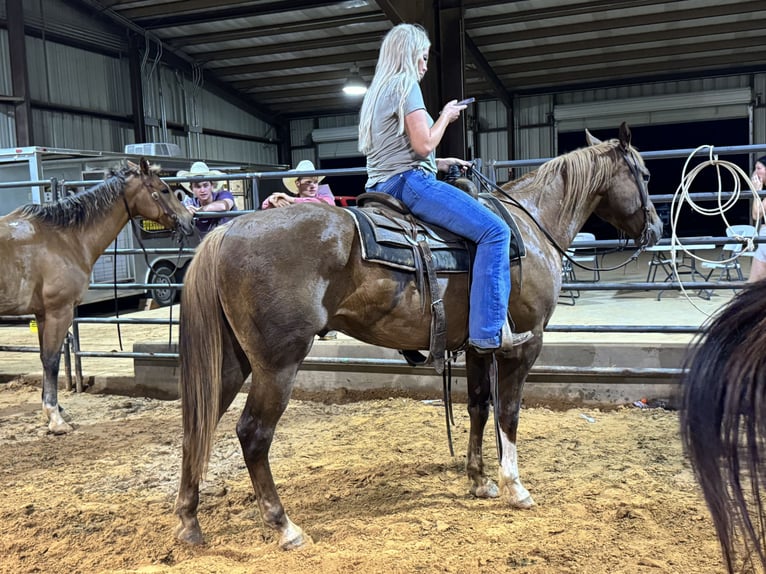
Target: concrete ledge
[[159, 377]]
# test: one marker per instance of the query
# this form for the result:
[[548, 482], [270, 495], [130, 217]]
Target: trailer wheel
[[163, 273]]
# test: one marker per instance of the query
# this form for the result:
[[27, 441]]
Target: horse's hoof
[[59, 427], [191, 535], [293, 537], [523, 504], [487, 490]]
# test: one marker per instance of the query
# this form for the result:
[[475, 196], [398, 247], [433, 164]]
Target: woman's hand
[[452, 110], [757, 183], [443, 164]]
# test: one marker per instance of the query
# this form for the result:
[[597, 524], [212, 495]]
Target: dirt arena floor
[[371, 482]]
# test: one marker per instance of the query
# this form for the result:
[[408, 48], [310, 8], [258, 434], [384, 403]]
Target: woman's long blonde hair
[[397, 71]]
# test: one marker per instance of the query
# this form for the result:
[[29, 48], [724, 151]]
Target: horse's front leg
[[266, 401], [51, 332], [477, 370], [512, 373]]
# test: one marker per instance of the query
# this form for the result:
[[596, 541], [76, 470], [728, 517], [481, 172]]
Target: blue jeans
[[442, 204]]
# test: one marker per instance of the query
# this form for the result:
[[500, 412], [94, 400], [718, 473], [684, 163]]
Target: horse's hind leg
[[234, 371], [51, 331], [478, 412], [269, 394]]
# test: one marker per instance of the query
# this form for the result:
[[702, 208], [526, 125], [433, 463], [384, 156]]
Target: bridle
[[643, 192]]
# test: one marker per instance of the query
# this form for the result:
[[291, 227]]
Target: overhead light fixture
[[355, 84]]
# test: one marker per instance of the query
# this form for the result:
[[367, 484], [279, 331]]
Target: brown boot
[[509, 339]]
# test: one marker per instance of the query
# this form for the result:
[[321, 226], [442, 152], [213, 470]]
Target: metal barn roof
[[291, 57]]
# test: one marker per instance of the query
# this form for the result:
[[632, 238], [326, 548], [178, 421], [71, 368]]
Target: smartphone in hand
[[466, 102]]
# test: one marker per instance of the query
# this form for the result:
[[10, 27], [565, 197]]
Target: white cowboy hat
[[291, 182], [200, 168]]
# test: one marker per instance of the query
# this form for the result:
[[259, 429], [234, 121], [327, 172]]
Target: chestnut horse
[[47, 253], [258, 291], [723, 425]]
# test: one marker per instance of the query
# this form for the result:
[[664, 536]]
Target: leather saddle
[[390, 235]]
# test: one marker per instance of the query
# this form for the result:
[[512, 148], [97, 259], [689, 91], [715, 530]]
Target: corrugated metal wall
[[97, 82], [174, 98], [304, 147], [72, 19]]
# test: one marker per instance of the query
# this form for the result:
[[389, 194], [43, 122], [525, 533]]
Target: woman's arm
[[423, 138]]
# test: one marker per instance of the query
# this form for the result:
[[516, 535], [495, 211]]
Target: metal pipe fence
[[73, 344]]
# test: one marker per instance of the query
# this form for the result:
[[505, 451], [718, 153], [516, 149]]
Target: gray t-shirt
[[392, 153]]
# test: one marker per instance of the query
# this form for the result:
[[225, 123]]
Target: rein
[[643, 194], [137, 236]]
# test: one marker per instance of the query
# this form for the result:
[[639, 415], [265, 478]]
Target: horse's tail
[[200, 345], [723, 421]]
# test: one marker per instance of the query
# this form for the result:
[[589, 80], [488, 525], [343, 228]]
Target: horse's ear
[[145, 167], [625, 136], [131, 165], [591, 139]]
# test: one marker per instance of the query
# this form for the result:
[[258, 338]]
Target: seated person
[[208, 196], [304, 189], [758, 267]]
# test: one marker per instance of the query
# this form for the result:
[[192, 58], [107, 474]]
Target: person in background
[[304, 189], [399, 138], [758, 266], [208, 196]]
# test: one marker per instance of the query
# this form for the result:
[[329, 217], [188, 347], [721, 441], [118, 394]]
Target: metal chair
[[587, 256], [731, 270]]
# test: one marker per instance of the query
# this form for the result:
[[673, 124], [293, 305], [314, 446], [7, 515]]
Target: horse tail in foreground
[[201, 353], [723, 423]]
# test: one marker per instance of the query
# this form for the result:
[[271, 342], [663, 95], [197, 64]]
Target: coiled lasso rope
[[681, 197]]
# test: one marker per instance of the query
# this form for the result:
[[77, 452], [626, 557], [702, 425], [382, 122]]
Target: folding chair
[[587, 256], [731, 270]]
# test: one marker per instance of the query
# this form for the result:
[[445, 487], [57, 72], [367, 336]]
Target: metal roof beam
[[667, 53], [156, 17], [328, 60], [287, 28], [507, 41], [633, 72], [340, 40], [670, 16], [265, 82]]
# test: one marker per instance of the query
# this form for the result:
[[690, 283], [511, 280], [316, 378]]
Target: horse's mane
[[582, 171], [79, 209]]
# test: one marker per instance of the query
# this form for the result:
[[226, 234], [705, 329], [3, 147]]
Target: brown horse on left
[[47, 253]]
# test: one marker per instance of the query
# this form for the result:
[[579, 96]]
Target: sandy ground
[[371, 482]]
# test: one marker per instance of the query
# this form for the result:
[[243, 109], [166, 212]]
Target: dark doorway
[[666, 173], [345, 185]]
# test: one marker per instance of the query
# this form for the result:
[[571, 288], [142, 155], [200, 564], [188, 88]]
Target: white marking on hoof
[[293, 537], [56, 423], [487, 490]]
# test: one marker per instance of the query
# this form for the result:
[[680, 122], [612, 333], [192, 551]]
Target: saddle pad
[[384, 241], [387, 237]]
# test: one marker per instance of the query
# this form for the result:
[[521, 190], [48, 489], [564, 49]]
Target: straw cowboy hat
[[200, 168], [291, 182]]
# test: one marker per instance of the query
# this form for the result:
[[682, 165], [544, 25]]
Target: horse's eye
[[646, 177]]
